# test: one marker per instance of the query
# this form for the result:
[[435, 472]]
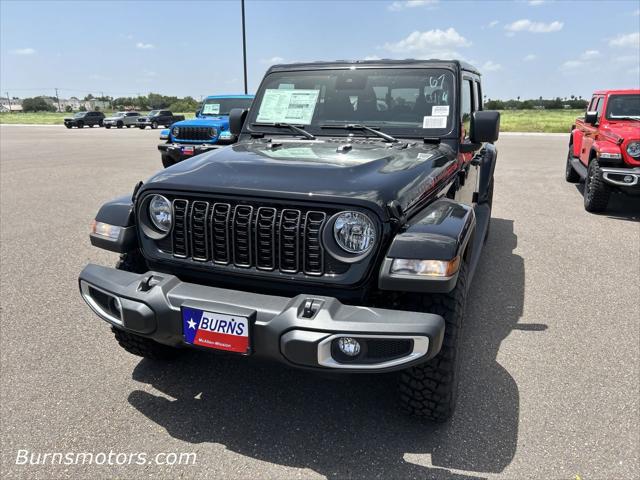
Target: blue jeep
[[209, 130]]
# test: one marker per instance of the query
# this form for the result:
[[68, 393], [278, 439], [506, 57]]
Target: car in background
[[122, 119], [80, 119], [604, 148], [164, 134], [156, 118], [209, 130]]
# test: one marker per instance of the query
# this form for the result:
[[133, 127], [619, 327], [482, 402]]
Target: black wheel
[[135, 344], [100, 123], [154, 125], [92, 125], [430, 390], [80, 124], [107, 126], [128, 126], [68, 125], [570, 175], [119, 124], [596, 192], [167, 161], [141, 127]]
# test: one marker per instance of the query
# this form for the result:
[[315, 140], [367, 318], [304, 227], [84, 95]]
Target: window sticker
[[438, 110], [288, 106], [212, 108], [434, 122]]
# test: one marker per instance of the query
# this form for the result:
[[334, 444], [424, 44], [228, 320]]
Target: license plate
[[187, 150], [215, 330]]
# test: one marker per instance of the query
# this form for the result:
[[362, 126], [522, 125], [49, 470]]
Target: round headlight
[[633, 149], [354, 232], [214, 132], [160, 213], [175, 131]]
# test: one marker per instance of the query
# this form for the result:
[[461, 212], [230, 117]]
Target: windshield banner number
[[211, 108], [288, 106]]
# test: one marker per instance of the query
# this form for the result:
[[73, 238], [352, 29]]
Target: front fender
[[441, 231], [609, 147], [118, 212], [487, 160]]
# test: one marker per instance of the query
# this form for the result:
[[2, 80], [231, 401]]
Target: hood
[[114, 118], [370, 173], [203, 122], [627, 129]]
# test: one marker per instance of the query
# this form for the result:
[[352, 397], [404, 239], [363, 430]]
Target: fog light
[[628, 179], [349, 346]]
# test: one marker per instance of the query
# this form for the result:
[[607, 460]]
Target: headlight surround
[[354, 232], [633, 149], [175, 131], [160, 213]]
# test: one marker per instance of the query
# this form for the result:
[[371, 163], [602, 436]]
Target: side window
[[599, 107], [477, 92], [592, 105], [466, 106]]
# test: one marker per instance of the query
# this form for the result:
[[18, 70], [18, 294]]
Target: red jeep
[[604, 148]]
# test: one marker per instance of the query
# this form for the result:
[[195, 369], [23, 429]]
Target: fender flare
[[118, 212], [441, 231], [487, 160]]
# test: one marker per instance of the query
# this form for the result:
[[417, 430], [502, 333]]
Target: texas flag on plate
[[215, 330]]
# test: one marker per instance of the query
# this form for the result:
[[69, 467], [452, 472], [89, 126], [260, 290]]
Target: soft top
[[411, 62]]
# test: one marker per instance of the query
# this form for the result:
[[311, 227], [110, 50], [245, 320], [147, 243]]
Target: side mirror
[[591, 117], [485, 126], [237, 117]]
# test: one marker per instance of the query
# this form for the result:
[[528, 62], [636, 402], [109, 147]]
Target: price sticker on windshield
[[438, 110], [434, 122], [211, 108], [288, 106]]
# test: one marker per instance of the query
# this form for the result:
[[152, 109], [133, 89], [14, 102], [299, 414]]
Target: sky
[[524, 48]]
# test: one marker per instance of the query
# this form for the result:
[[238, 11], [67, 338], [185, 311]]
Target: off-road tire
[[143, 347], [68, 126], [167, 161], [107, 127], [135, 344], [570, 174], [596, 191], [430, 390]]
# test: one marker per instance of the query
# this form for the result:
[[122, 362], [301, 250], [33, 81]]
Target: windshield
[[119, 114], [222, 106], [412, 102], [623, 106], [153, 112], [79, 114]]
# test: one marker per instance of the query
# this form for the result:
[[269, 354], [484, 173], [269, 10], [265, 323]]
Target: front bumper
[[282, 328], [176, 150], [622, 177]]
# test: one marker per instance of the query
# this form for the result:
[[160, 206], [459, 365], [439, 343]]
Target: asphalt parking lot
[[550, 383]]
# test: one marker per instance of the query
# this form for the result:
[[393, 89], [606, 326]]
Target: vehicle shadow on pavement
[[621, 206], [349, 426]]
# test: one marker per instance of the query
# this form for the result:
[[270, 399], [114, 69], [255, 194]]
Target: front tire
[[570, 175], [430, 390], [107, 127], [596, 192], [141, 127], [119, 125], [80, 125], [154, 125], [135, 344]]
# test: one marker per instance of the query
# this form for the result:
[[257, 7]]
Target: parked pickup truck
[[209, 130], [156, 118], [604, 148], [340, 234], [122, 119]]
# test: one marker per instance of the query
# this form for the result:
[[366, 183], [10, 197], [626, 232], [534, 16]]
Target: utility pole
[[58, 98], [9, 100], [244, 48]]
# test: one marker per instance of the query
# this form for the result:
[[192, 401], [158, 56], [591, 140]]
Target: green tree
[[68, 109], [37, 104]]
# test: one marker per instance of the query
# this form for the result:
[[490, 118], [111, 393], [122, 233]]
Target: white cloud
[[144, 46], [530, 58], [401, 5], [627, 59], [590, 54], [432, 43], [526, 25], [626, 40], [585, 59], [22, 51], [490, 66], [572, 64], [272, 60]]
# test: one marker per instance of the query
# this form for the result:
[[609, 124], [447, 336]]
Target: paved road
[[550, 378]]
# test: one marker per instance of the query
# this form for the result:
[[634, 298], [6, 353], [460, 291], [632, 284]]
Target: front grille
[[196, 133], [243, 235]]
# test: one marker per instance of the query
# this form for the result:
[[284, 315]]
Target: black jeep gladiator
[[340, 234]]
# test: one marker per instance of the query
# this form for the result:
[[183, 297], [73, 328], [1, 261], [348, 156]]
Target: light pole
[[244, 48]]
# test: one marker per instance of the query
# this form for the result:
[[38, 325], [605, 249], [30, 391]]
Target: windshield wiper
[[357, 126], [299, 130], [626, 117]]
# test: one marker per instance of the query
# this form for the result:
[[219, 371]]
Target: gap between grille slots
[[248, 236]]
